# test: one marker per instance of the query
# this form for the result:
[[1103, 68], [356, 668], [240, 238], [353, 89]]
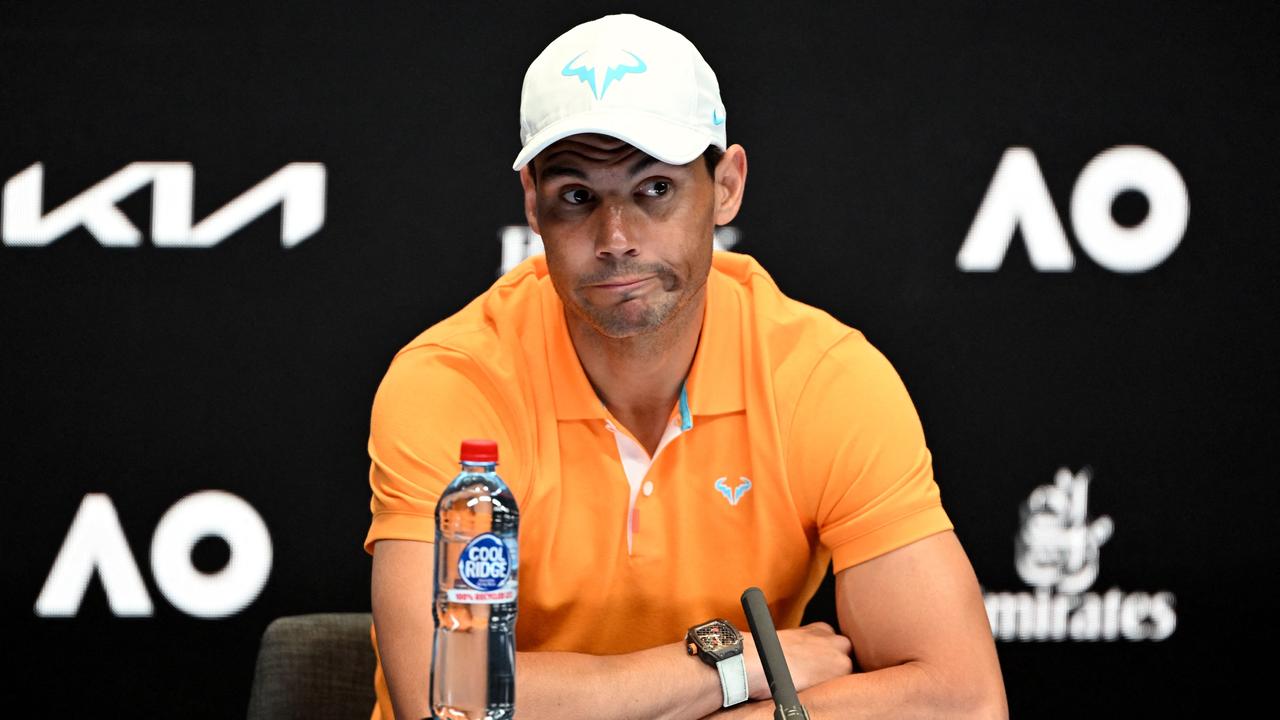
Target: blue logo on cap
[[485, 563], [588, 74]]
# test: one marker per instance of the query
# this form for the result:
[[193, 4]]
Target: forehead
[[593, 151], [590, 141]]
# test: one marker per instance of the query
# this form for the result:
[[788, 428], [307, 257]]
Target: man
[[675, 430]]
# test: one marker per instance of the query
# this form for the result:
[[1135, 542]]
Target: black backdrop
[[150, 373]]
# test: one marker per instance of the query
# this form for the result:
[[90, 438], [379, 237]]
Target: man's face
[[628, 237]]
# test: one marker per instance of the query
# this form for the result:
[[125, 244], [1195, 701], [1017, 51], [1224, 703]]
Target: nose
[[615, 234]]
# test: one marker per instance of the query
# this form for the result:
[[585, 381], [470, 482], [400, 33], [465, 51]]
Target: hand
[[815, 654]]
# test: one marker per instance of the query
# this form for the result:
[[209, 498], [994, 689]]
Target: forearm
[[658, 683], [661, 683], [910, 690]]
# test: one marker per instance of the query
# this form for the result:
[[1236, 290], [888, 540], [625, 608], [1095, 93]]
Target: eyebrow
[[562, 170], [567, 171], [643, 163]]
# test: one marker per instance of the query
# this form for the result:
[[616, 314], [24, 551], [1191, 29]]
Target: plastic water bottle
[[473, 661]]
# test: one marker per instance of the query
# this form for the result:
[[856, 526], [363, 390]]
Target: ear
[[530, 199], [730, 182]]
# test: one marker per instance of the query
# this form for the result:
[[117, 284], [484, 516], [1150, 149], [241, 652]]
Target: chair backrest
[[318, 667]]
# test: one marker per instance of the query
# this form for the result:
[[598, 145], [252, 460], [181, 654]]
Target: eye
[[656, 188], [576, 196]]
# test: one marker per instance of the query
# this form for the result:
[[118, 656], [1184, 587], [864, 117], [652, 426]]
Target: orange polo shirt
[[794, 444]]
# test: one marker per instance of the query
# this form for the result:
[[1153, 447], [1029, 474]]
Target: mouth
[[623, 284]]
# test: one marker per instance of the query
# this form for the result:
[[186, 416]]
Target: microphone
[[786, 704]]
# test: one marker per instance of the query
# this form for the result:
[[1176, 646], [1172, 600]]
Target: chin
[[619, 329], [620, 323]]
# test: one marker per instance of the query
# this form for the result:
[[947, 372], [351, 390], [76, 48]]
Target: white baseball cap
[[628, 78]]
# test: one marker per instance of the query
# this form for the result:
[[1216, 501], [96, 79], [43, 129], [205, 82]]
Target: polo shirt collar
[[715, 382]]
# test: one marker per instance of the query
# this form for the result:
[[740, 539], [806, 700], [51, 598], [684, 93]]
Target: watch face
[[716, 637]]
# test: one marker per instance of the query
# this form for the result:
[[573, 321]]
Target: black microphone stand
[[786, 704]]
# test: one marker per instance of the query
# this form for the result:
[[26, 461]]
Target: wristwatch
[[719, 644]]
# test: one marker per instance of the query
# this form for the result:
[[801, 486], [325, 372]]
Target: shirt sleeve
[[858, 455], [428, 402]]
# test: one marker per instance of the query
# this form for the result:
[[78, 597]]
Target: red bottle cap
[[479, 451]]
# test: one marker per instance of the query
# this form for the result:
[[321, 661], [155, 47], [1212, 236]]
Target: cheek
[[697, 227], [561, 280], [697, 219], [559, 265], [700, 260], [564, 266]]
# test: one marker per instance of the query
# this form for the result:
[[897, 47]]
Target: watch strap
[[733, 679]]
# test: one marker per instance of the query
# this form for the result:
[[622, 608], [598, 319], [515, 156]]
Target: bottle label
[[486, 565], [475, 597]]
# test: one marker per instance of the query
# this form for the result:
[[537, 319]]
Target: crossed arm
[[914, 617]]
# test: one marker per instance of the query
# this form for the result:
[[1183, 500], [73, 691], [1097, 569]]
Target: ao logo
[[96, 542], [298, 188], [1018, 198]]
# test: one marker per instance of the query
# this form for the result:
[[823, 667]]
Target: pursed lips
[[623, 283]]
